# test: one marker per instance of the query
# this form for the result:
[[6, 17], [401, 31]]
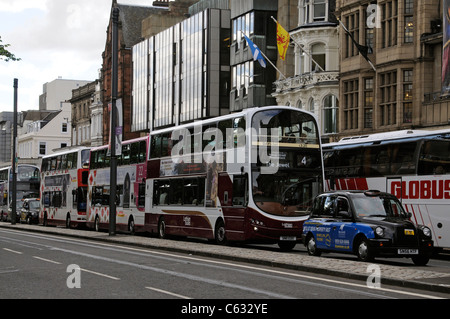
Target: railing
[[306, 79]]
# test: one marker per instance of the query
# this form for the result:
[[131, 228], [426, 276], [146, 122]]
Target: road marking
[[47, 260], [100, 274], [117, 246], [168, 293], [13, 251]]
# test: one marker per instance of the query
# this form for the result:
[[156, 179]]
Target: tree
[[5, 54]]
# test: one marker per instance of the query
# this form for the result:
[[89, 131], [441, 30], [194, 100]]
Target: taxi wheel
[[363, 251], [311, 247], [421, 260]]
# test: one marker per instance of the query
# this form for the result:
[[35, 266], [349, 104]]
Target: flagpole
[[268, 59], [299, 45], [348, 32]]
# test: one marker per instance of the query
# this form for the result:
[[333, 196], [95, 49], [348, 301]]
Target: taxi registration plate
[[406, 251], [409, 232]]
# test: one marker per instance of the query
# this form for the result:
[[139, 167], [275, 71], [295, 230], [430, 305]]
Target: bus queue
[[250, 176]]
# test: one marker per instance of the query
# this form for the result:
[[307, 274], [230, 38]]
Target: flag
[[256, 52], [362, 49], [283, 39]]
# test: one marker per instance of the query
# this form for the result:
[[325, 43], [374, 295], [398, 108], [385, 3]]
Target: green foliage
[[5, 54]]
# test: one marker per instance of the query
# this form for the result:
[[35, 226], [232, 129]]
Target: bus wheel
[[97, 224], [131, 226], [68, 221], [219, 233], [162, 228]]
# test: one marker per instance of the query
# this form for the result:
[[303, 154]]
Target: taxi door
[[343, 229]]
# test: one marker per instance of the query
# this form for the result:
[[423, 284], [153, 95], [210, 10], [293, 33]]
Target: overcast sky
[[54, 38]]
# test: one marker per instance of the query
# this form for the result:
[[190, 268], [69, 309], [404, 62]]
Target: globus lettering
[[424, 189]]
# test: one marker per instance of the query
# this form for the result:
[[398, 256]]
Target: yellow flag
[[283, 39]]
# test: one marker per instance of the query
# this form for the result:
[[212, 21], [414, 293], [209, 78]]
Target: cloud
[[53, 38]]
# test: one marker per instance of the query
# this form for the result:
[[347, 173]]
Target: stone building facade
[[404, 40]]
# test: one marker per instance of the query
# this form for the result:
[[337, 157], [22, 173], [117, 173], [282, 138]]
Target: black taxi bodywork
[[367, 224]]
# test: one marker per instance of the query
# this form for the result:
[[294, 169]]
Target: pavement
[[425, 278]]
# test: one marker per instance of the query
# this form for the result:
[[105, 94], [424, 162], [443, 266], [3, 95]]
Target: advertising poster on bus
[[446, 50]]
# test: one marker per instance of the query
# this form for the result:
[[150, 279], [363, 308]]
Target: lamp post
[[14, 158], [113, 115]]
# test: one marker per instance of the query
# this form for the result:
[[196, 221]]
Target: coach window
[[434, 158]]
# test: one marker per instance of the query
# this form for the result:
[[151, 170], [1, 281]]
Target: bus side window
[[434, 158], [240, 190]]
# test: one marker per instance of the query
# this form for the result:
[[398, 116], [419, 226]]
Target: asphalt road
[[43, 266]]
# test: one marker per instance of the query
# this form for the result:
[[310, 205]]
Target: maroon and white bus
[[413, 165], [247, 177], [131, 176]]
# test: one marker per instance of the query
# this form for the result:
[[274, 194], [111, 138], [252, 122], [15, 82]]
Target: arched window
[[299, 104], [311, 105], [330, 114], [319, 56]]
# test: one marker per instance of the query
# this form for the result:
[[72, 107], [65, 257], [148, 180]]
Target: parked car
[[19, 204], [367, 224], [30, 211]]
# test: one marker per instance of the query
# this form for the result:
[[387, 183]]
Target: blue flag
[[256, 52]]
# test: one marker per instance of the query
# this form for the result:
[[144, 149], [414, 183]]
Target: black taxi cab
[[367, 224]]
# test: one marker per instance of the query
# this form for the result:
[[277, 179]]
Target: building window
[[388, 98], [318, 55], [409, 21], [330, 114], [351, 97], [407, 95], [42, 148], [389, 22], [320, 10], [311, 105], [368, 103], [313, 11], [352, 24], [64, 127]]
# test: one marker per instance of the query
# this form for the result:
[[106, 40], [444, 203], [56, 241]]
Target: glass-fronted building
[[183, 73], [252, 84]]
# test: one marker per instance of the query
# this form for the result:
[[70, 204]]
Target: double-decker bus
[[413, 165], [27, 186], [64, 187], [248, 177], [130, 193]]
